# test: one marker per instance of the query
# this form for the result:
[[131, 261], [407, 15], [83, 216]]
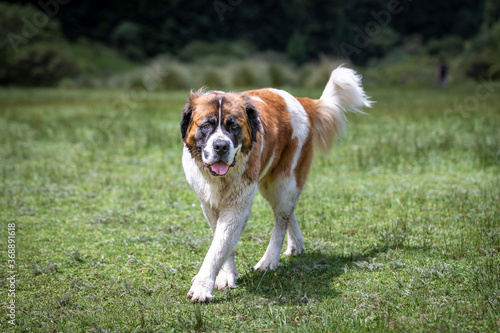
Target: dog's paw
[[201, 291], [225, 280], [294, 251], [266, 264]]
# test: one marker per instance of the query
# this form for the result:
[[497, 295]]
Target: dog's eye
[[205, 127], [234, 127]]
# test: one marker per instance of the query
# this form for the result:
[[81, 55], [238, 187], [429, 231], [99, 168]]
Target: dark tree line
[[304, 29]]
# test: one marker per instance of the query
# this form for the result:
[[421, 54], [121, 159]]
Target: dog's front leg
[[226, 278], [230, 224]]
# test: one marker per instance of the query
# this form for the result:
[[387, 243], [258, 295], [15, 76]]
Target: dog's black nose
[[221, 146]]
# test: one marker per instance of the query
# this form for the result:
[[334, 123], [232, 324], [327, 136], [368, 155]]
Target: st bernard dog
[[236, 143]]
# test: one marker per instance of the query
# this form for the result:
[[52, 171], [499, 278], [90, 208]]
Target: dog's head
[[217, 127]]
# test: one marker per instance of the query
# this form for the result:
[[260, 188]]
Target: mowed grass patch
[[401, 220]]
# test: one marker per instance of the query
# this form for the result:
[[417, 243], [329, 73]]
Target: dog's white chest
[[208, 192]]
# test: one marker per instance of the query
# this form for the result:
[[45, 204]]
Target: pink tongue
[[219, 168]]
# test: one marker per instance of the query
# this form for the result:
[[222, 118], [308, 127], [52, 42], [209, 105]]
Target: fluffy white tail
[[343, 92]]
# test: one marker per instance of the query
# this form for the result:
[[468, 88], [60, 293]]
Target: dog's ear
[[253, 120], [187, 114]]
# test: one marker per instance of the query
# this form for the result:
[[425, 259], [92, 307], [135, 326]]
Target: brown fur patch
[[252, 172], [278, 131], [304, 162]]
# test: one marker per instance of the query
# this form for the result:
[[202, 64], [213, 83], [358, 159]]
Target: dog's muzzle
[[221, 167]]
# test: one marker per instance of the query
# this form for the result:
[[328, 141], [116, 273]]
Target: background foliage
[[317, 26], [119, 36]]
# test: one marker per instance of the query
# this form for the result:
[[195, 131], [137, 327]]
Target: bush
[[218, 52], [413, 44], [385, 41], [281, 75], [38, 55], [127, 37], [212, 80], [482, 60], [482, 65], [243, 77], [38, 65], [26, 57], [414, 70], [176, 78], [316, 75], [449, 46], [13, 18], [134, 53], [126, 33], [478, 67], [296, 49]]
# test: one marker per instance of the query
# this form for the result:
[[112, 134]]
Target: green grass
[[401, 220]]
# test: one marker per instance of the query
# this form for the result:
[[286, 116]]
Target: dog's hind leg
[[272, 255], [283, 196], [295, 238], [226, 278]]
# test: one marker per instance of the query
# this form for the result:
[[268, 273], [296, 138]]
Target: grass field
[[401, 220]]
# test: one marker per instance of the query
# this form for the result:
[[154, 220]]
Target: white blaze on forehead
[[220, 113], [299, 120]]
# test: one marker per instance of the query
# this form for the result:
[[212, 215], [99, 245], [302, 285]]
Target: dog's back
[[291, 124]]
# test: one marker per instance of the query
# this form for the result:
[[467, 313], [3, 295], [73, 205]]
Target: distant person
[[442, 72]]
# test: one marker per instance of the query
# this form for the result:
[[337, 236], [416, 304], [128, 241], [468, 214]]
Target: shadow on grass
[[310, 276]]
